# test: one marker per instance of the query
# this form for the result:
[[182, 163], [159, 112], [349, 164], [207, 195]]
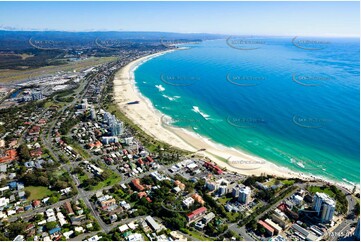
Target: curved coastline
[[149, 119]]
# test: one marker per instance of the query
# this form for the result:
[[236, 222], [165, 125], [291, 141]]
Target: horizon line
[[190, 33]]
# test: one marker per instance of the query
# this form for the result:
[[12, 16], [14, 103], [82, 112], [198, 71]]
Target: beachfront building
[[279, 217], [277, 229], [269, 230], [303, 234], [109, 140], [325, 206], [116, 128], [243, 193], [221, 186]]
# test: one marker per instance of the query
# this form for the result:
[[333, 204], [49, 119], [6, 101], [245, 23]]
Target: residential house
[[196, 214]]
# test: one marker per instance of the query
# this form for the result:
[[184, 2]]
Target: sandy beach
[[150, 120]]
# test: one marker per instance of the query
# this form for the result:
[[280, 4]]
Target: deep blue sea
[[293, 102]]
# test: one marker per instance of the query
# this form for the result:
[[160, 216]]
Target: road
[[241, 231], [39, 209]]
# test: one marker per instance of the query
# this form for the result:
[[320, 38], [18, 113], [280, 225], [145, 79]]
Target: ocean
[[292, 101]]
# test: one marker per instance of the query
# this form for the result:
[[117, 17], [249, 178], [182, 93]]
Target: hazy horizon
[[326, 19]]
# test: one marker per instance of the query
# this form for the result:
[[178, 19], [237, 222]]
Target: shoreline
[[147, 117]]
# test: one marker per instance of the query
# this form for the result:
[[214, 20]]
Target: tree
[[78, 170], [15, 229], [252, 224], [3, 182], [53, 199], [22, 170], [43, 181], [2, 236], [106, 174], [27, 194], [24, 153], [356, 210], [60, 185], [38, 217], [51, 225]]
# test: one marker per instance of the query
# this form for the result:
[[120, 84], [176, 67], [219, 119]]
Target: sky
[[256, 18]]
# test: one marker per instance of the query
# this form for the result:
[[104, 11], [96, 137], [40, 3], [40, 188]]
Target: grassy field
[[271, 182], [38, 192], [113, 179], [83, 178], [197, 235], [232, 216], [22, 56], [50, 103], [314, 189], [9, 76], [80, 150], [224, 200], [288, 182]]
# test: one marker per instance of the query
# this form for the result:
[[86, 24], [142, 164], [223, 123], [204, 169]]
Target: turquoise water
[[297, 107]]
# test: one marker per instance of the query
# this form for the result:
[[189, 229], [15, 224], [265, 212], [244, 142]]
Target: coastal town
[[73, 166]]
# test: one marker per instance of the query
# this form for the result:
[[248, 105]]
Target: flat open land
[[14, 76], [38, 192]]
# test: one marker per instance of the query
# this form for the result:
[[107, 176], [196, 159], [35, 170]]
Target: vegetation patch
[[37, 192]]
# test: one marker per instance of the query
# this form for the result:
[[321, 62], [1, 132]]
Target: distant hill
[[19, 40]]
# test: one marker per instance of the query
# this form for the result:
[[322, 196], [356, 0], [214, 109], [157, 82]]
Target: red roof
[[266, 226], [218, 170], [29, 226], [137, 185], [10, 155], [68, 208], [196, 212], [214, 167], [98, 144], [34, 130], [142, 194], [149, 159], [42, 121], [36, 203], [36, 152]]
